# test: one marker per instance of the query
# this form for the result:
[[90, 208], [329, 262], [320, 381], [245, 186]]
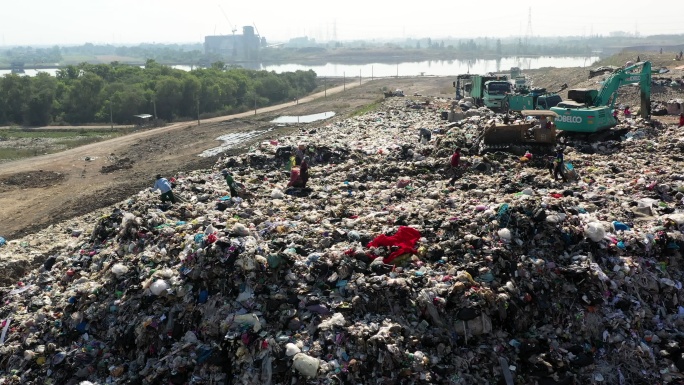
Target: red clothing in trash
[[299, 176], [681, 120], [404, 239], [455, 158]]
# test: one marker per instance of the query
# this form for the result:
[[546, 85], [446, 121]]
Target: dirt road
[[38, 191]]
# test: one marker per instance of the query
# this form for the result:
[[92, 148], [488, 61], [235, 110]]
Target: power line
[[528, 34]]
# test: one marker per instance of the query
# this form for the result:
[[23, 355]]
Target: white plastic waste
[[247, 319], [306, 365], [119, 269], [595, 231], [158, 287], [291, 349], [190, 337], [337, 319], [240, 229], [505, 234], [277, 194]]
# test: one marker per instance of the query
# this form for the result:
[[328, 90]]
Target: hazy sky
[[39, 22]]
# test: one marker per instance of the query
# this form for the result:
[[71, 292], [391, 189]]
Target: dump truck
[[518, 80], [532, 99], [590, 111], [488, 91]]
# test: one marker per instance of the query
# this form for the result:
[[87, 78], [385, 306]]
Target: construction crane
[[257, 33], [232, 28]]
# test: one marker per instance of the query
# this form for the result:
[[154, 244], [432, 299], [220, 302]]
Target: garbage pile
[[379, 272]]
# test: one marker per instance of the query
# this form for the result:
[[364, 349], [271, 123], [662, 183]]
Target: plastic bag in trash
[[595, 231]]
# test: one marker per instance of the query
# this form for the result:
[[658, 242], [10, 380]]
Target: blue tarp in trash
[[619, 226]]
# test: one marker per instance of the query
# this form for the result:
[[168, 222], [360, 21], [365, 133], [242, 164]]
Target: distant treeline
[[305, 49], [89, 93]]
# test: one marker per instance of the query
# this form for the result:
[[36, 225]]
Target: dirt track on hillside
[[37, 192]]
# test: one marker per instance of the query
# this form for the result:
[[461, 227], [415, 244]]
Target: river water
[[427, 68]]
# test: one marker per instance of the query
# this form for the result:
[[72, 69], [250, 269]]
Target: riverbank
[[351, 57]]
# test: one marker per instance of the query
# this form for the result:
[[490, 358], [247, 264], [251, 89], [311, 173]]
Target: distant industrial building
[[236, 47]]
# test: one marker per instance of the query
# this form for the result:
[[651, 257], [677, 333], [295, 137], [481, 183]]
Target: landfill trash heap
[[380, 273]]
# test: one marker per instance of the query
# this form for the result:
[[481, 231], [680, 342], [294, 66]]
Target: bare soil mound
[[30, 179]]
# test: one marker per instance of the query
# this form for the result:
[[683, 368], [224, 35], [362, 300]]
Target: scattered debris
[[381, 273]]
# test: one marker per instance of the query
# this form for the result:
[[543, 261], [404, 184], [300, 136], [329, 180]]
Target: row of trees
[[31, 55], [89, 93], [162, 53]]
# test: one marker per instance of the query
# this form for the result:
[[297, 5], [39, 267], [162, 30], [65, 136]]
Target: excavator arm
[[561, 88], [627, 75]]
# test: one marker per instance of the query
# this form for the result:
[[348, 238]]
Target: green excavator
[[590, 111]]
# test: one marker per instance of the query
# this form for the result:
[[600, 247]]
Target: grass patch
[[76, 59], [125, 59], [10, 153], [367, 108], [25, 144], [81, 141], [15, 133]]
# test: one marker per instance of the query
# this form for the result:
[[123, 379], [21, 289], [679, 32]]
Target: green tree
[[14, 95], [168, 94], [40, 103], [191, 92], [69, 72], [84, 93], [128, 102], [219, 65], [83, 99]]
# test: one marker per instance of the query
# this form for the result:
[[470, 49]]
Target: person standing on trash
[[304, 171], [424, 135], [454, 163], [230, 181], [628, 113], [558, 164], [163, 185], [299, 154], [615, 115], [303, 177]]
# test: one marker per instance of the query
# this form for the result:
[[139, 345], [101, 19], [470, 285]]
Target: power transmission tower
[[528, 34], [335, 30]]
